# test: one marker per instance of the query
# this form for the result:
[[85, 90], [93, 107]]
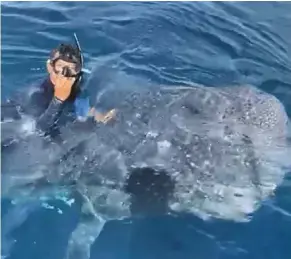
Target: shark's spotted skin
[[214, 152]]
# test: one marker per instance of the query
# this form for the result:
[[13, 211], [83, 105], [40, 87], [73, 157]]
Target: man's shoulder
[[46, 85], [40, 98]]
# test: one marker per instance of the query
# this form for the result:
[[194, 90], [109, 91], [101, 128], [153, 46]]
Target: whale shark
[[215, 152]]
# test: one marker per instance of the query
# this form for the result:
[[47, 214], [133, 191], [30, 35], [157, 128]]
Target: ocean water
[[170, 43]]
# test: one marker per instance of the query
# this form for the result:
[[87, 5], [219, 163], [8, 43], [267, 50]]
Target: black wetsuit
[[49, 112]]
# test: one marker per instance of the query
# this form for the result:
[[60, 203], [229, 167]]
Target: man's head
[[64, 61]]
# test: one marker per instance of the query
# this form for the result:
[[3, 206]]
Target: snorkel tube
[[78, 80], [79, 49]]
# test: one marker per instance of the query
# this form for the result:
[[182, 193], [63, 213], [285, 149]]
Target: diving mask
[[68, 54]]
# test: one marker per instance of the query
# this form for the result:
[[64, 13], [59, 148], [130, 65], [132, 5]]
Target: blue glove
[[82, 107]]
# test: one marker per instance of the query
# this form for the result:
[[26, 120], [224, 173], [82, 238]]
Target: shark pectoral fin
[[86, 232], [83, 237], [87, 210], [88, 207]]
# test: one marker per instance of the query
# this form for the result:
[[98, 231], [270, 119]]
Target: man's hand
[[99, 117], [63, 87]]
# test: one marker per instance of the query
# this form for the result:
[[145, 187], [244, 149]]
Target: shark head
[[198, 150]]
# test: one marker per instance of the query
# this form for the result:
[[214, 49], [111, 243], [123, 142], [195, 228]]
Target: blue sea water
[[211, 43]]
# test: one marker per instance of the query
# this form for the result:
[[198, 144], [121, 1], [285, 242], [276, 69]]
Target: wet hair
[[68, 53]]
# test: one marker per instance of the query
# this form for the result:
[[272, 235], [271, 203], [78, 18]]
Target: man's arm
[[44, 106], [51, 103], [50, 115]]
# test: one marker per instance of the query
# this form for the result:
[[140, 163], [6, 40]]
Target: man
[[60, 96]]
